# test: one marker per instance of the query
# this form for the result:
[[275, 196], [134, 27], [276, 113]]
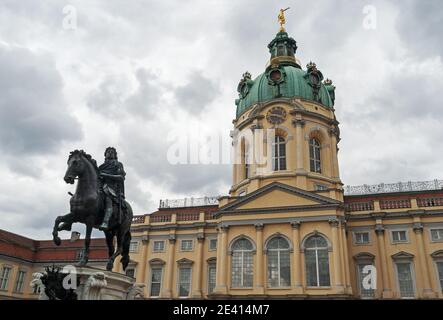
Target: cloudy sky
[[135, 74]]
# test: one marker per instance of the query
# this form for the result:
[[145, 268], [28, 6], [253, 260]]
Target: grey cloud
[[419, 26], [112, 98], [34, 119], [406, 95], [140, 200], [197, 94], [146, 154], [147, 96], [387, 135], [107, 98]]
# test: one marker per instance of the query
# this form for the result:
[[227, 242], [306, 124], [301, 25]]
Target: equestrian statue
[[98, 202]]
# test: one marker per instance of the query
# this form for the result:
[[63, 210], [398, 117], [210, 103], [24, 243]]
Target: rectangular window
[[242, 269], [133, 247], [186, 245], [364, 293], [211, 278], [184, 281], [212, 244], [361, 237], [399, 236], [405, 279], [437, 234], [279, 268], [279, 154], [130, 272], [20, 281], [317, 268], [156, 282], [159, 246], [4, 278]]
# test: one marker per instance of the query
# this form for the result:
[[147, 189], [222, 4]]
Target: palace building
[[288, 228]]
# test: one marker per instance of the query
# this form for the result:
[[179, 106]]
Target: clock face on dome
[[276, 115]]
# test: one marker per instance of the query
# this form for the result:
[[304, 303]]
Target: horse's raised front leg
[[89, 225], [66, 219]]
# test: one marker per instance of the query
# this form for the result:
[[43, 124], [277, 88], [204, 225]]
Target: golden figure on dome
[[281, 19]]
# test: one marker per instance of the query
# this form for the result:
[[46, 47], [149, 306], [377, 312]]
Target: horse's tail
[[127, 237]]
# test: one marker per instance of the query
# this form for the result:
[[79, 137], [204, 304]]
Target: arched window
[[314, 155], [279, 274], [317, 262], [279, 154], [242, 263]]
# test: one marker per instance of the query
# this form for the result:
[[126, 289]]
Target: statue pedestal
[[98, 284]]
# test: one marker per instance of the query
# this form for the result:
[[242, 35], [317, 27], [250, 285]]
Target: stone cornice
[[395, 215], [283, 209]]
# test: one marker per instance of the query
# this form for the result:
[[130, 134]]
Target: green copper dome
[[284, 78]]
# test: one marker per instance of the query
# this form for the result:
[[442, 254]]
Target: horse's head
[[76, 166]]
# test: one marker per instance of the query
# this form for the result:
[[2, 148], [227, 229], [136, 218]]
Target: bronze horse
[[87, 207]]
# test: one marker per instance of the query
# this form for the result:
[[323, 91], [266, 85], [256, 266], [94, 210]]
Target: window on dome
[[314, 155], [279, 154]]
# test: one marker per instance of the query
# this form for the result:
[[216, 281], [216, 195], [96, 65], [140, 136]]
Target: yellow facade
[[13, 290], [287, 204]]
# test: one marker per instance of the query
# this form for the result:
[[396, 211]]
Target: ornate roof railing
[[394, 187], [348, 190], [188, 202]]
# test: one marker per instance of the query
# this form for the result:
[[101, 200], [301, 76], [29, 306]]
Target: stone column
[[348, 286], [427, 291], [169, 272], [198, 268], [334, 170], [296, 264], [259, 266], [336, 255], [379, 230], [141, 272], [222, 247], [299, 142]]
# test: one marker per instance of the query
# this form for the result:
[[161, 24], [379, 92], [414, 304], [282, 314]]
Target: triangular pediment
[[278, 195]]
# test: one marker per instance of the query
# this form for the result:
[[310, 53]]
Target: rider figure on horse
[[112, 175]]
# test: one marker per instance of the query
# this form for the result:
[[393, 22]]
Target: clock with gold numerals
[[276, 115]]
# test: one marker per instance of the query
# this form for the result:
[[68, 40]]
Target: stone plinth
[[98, 284]]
